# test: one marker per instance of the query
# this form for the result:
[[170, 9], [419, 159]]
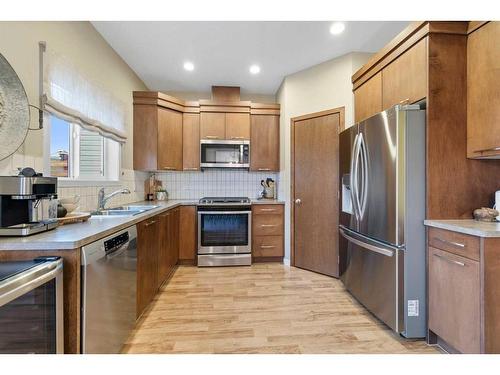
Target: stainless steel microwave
[[224, 154]]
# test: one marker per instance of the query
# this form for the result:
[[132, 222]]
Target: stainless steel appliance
[[224, 231], [224, 154], [19, 199], [109, 277], [382, 198], [31, 306]]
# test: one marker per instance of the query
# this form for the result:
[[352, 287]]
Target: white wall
[[80, 43], [321, 87]]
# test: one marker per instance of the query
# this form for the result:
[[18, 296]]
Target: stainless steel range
[[224, 231]]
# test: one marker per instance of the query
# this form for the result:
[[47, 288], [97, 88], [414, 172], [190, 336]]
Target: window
[[80, 154]]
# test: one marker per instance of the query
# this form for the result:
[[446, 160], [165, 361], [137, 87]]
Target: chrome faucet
[[102, 199]]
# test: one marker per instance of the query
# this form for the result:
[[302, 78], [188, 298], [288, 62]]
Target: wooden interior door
[[315, 147]]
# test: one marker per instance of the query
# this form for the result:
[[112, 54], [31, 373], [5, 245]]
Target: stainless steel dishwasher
[[109, 277]]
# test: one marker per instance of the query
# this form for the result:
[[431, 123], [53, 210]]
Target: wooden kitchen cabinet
[[265, 143], [405, 79], [368, 98], [267, 232], [464, 288], [188, 234], [147, 261], [169, 140], [168, 252], [212, 125], [157, 138], [454, 300], [483, 91], [238, 126], [191, 142]]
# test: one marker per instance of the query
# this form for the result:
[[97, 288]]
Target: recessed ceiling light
[[337, 28], [255, 69], [189, 66]]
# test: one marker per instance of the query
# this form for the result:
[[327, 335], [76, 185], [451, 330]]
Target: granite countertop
[[468, 226], [72, 236]]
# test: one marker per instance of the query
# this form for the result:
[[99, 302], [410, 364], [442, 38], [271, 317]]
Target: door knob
[[298, 201]]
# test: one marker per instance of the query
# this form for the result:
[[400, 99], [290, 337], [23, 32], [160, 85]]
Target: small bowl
[[70, 200], [70, 207]]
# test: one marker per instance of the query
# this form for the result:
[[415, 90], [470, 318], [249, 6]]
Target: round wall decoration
[[14, 110]]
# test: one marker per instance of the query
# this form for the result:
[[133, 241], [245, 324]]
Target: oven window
[[220, 154], [28, 323], [224, 229]]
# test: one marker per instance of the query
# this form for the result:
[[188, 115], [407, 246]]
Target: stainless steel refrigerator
[[382, 200]]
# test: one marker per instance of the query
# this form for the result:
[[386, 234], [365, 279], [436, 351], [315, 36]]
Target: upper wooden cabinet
[[237, 126], [483, 91], [191, 142], [212, 125], [157, 132], [368, 98], [265, 143], [405, 79], [169, 153]]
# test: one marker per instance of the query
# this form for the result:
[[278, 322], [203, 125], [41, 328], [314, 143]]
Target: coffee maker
[[19, 200]]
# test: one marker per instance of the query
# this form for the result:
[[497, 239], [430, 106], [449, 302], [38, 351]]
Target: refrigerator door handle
[[364, 175], [353, 176], [365, 245]]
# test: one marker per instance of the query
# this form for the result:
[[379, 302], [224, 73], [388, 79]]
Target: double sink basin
[[128, 210]]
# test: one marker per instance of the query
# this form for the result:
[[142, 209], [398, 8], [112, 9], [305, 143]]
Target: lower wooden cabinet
[[168, 252], [147, 262], [454, 303], [464, 290], [267, 232], [188, 234]]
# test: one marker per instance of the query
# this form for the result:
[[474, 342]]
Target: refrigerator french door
[[382, 188]]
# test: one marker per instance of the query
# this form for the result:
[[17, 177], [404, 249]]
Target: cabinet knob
[[298, 201]]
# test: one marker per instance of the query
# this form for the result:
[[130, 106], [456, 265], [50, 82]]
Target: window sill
[[85, 183]]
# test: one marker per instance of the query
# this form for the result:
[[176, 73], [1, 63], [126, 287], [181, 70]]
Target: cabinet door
[[145, 137], [212, 125], [483, 91], [188, 234], [368, 98], [174, 236], [237, 126], [454, 300], [164, 262], [191, 142], [405, 79], [147, 262], [265, 143], [169, 140]]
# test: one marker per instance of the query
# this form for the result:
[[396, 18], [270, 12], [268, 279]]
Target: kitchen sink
[[128, 210]]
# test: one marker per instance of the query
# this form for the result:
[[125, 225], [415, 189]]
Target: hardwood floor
[[265, 308]]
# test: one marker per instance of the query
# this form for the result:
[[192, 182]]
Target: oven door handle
[[223, 212]]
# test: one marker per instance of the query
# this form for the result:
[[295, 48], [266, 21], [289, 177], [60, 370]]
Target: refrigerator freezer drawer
[[373, 277]]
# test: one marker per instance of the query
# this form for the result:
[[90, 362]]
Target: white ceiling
[[222, 52]]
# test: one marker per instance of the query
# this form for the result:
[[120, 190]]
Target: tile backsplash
[[217, 182]]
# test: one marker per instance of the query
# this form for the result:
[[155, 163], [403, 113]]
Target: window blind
[[91, 154]]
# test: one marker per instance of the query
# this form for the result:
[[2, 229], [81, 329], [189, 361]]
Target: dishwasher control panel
[[115, 242]]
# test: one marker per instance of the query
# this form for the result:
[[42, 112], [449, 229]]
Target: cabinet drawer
[[456, 243], [267, 225], [454, 300], [267, 246], [260, 209]]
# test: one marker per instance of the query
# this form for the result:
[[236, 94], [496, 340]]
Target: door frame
[[341, 112]]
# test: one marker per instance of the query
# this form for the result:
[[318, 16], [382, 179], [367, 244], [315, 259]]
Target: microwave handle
[[241, 153]]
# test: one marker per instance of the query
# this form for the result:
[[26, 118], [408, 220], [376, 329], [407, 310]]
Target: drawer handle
[[190, 169], [456, 244], [268, 225], [268, 209], [461, 264], [264, 169], [267, 247], [169, 168], [150, 223], [212, 137]]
